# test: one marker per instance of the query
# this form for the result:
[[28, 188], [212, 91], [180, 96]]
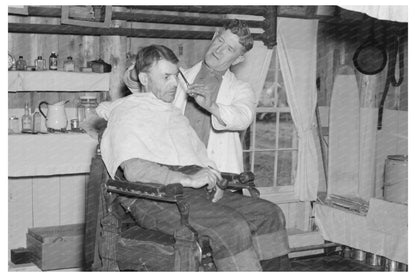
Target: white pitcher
[[56, 119]]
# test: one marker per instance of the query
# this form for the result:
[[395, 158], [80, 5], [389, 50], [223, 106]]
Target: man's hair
[[241, 29], [147, 56]]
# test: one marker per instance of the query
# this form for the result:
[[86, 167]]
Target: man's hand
[[204, 99], [218, 191], [206, 176], [218, 194]]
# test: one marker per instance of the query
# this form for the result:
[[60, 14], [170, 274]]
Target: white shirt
[[237, 106]]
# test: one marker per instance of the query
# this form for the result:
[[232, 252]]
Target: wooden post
[[90, 49], [113, 50], [370, 87]]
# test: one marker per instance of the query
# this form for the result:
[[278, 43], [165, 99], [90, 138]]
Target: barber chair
[[113, 240]]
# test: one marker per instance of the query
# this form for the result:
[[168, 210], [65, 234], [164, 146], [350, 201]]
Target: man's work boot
[[281, 263]]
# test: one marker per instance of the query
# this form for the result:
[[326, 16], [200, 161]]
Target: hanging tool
[[322, 144], [395, 46]]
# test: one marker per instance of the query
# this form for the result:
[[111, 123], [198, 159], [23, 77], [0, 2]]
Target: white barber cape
[[142, 126], [237, 105]]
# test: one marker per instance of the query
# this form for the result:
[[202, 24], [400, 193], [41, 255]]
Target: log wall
[[335, 41]]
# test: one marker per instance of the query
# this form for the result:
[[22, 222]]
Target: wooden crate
[[56, 247]]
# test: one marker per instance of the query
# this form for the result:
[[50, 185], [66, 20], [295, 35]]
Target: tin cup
[[14, 125], [74, 124], [373, 259], [392, 265], [346, 253], [359, 255], [403, 267]]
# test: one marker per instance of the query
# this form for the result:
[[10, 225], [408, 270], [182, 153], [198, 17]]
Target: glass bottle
[[36, 118], [14, 126], [12, 62], [69, 64], [26, 120], [53, 61], [86, 108], [20, 64], [40, 64]]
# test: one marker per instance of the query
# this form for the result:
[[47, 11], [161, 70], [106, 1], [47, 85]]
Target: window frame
[[274, 193]]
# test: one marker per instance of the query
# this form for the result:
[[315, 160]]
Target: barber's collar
[[216, 73], [151, 95]]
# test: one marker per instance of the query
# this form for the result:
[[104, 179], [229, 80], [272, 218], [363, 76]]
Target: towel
[[387, 217], [142, 126]]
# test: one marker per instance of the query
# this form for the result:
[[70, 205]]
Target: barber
[[217, 104]]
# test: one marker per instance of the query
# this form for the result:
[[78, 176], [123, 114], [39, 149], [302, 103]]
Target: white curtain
[[296, 49], [255, 67], [393, 13]]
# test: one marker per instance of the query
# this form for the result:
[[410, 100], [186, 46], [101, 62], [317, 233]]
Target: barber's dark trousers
[[242, 230]]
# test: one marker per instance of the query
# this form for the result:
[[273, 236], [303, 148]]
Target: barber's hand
[[204, 99], [205, 176], [201, 95]]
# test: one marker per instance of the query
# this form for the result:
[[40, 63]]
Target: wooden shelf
[[57, 81], [50, 154]]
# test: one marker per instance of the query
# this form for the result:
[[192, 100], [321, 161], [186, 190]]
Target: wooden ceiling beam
[[246, 10], [99, 31]]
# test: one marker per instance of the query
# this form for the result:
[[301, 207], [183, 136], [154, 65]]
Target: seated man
[[146, 134]]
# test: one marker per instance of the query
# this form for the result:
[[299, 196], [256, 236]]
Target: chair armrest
[[237, 181], [168, 193], [244, 180]]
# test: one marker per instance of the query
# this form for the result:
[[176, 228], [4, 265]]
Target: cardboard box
[[56, 247]]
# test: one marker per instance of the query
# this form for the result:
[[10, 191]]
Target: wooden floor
[[324, 262]]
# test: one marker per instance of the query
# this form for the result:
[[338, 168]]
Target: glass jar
[[40, 64], [14, 125], [53, 61], [69, 64], [20, 64], [86, 108]]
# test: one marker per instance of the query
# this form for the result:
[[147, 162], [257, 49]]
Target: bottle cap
[[39, 57], [20, 57]]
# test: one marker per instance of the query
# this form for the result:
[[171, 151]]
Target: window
[[270, 144]]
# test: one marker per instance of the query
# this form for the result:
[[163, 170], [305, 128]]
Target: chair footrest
[[145, 250], [140, 234]]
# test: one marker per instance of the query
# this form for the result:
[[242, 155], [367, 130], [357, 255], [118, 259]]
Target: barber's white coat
[[237, 104]]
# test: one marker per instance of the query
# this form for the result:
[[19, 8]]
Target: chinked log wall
[[58, 200], [50, 200], [40, 33], [84, 43]]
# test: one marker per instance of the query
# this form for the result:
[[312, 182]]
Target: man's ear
[[143, 78], [217, 33], [133, 74], [239, 59]]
